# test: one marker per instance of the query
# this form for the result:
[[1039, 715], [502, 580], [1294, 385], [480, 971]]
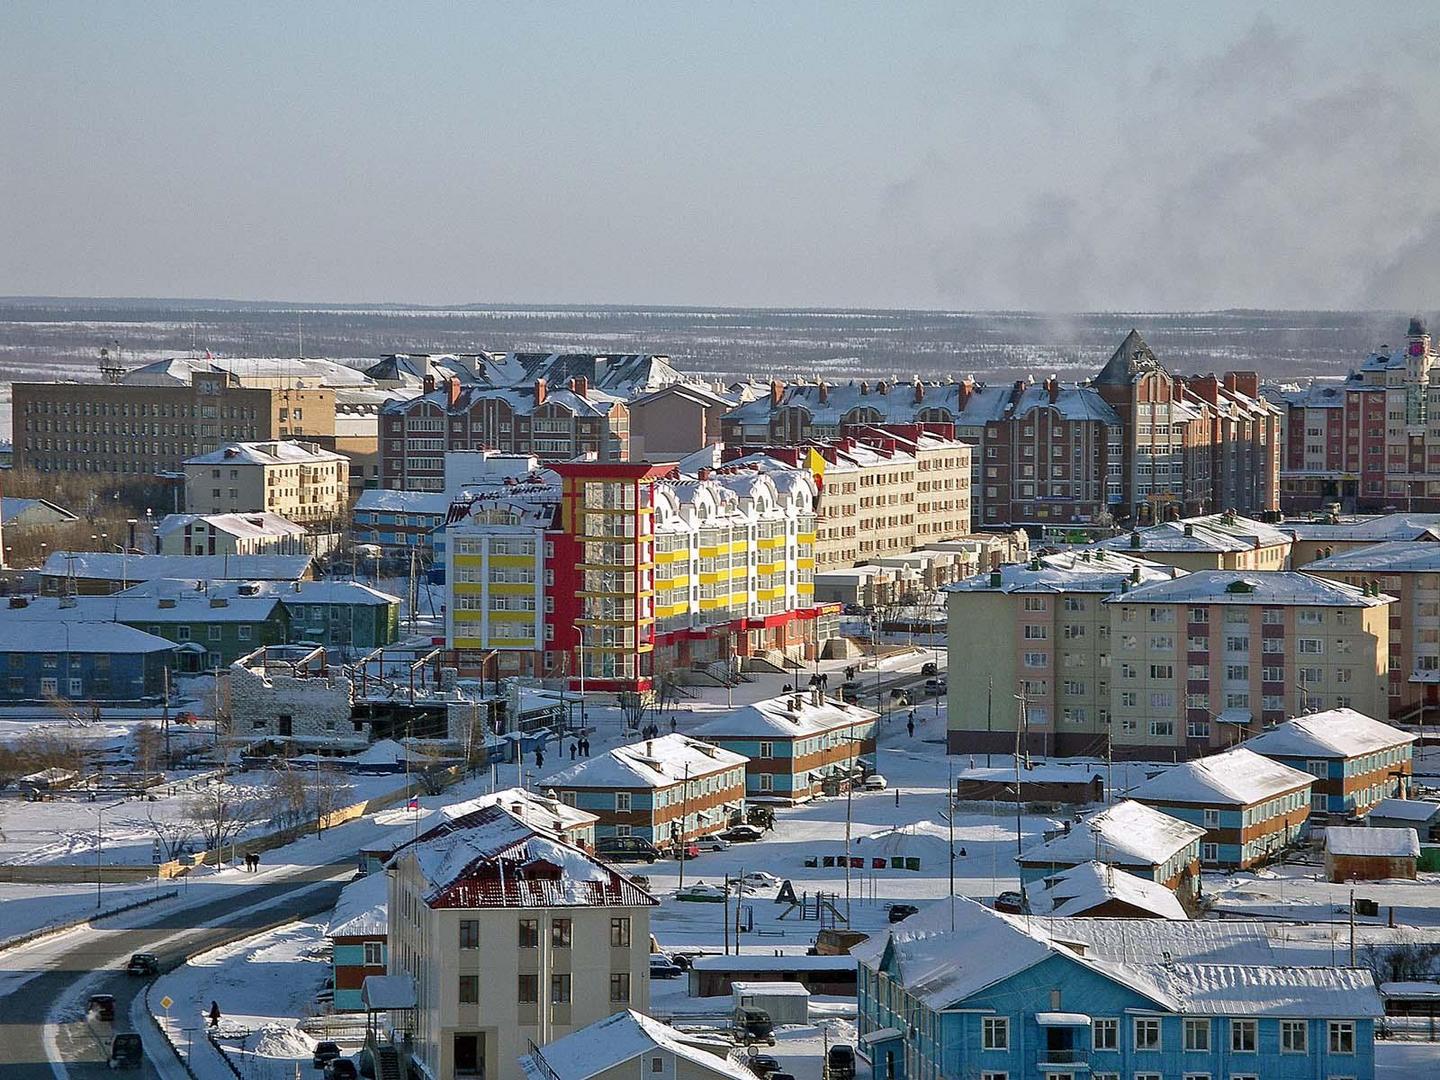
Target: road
[[86, 962]]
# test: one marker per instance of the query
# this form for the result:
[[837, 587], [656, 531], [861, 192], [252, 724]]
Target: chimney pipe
[[541, 390], [429, 384], [777, 391]]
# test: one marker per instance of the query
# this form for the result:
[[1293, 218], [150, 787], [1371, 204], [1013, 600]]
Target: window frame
[[1135, 1026], [989, 1025]]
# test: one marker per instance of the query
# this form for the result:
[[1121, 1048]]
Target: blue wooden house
[[358, 933], [100, 662], [1356, 760], [1011, 998]]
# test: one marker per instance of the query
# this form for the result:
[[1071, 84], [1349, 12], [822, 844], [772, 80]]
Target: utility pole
[[849, 802], [950, 817], [989, 701], [1020, 722], [684, 821], [1352, 926]]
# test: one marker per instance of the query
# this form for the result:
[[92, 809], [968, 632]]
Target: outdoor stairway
[[387, 1063]]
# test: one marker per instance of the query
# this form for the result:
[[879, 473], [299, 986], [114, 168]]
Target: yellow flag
[[816, 463]]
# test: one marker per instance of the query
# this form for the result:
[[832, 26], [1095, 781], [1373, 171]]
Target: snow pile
[[281, 1041]]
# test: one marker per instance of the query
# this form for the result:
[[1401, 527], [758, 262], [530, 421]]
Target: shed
[[786, 1002], [713, 976], [1365, 854], [1074, 785], [1423, 817]]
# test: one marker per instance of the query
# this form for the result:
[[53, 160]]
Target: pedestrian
[[214, 1014], [539, 758], [574, 749], [257, 862], [585, 747], [910, 726]]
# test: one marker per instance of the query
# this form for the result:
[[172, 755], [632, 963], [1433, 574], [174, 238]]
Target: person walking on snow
[[214, 1014], [910, 725], [574, 749]]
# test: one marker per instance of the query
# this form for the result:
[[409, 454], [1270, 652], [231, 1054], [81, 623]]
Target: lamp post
[[100, 848]]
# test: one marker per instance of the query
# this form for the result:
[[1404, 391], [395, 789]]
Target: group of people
[[580, 746]]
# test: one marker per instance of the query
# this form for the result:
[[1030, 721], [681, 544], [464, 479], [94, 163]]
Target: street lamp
[[100, 847]]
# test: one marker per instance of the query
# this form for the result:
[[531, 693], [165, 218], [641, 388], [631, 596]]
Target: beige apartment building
[[1225, 541], [1039, 629], [300, 481], [1201, 662], [511, 938], [137, 430], [1409, 571], [676, 420]]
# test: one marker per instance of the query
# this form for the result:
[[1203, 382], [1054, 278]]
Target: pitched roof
[[1389, 557], [436, 503], [1081, 889], [360, 909], [1132, 359], [1235, 777], [1405, 810], [774, 717], [274, 452], [11, 509], [115, 566], [1270, 587], [1069, 571], [616, 1040], [1384, 527], [1128, 834], [652, 763], [1214, 532], [244, 526], [1252, 990], [1372, 842], [1333, 733], [46, 636]]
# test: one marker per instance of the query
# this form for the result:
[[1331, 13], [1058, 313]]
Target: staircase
[[387, 1063]]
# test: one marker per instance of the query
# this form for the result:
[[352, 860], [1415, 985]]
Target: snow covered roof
[[653, 763], [1236, 777], [1405, 810], [116, 566], [360, 908], [1388, 557], [1082, 888], [776, 717], [539, 812], [772, 962], [11, 509], [1090, 570], [1132, 359], [1372, 842], [1248, 990], [326, 592], [54, 636], [1383, 527], [387, 500], [616, 1040], [1051, 772], [1128, 834], [275, 452], [244, 526], [1333, 733], [521, 400], [499, 861], [1318, 395], [388, 992], [1139, 941], [299, 371], [1214, 532], [1270, 587]]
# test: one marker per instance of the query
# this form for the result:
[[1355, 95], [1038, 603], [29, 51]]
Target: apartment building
[[884, 490], [624, 571], [257, 533], [139, 430], [1409, 571], [1371, 441], [552, 423], [1224, 541], [511, 938], [300, 481], [1356, 761], [794, 743], [663, 790], [1251, 808], [1135, 443], [676, 420], [1200, 661], [1331, 534], [1039, 629]]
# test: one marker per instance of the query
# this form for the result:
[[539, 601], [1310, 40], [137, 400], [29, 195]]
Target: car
[[1010, 901], [703, 892], [930, 668], [840, 1062], [759, 879], [127, 1051], [936, 686], [711, 843], [626, 849], [143, 963], [690, 850], [101, 1007], [763, 1065], [875, 782], [900, 696], [850, 692], [325, 1052], [901, 912], [662, 967], [341, 1068], [742, 834], [782, 1076]]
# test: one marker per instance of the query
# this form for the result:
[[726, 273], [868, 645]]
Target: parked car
[[936, 686], [742, 834], [900, 696], [759, 879], [711, 843], [841, 1062], [689, 851], [626, 849], [101, 1007], [850, 692], [702, 892], [749, 1025], [143, 963], [875, 782], [341, 1068], [763, 1065], [325, 1052], [901, 912], [662, 967], [127, 1051], [929, 668], [760, 816], [1011, 902], [782, 1076]]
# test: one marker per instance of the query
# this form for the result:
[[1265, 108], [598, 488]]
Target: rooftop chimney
[[919, 391], [777, 391], [864, 388], [1135, 575], [452, 391], [963, 390], [540, 391], [823, 392], [429, 384], [1135, 541], [580, 385], [1052, 386], [996, 579]]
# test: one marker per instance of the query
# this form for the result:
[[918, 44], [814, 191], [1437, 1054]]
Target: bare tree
[[329, 792], [222, 813], [172, 834], [149, 749], [287, 799]]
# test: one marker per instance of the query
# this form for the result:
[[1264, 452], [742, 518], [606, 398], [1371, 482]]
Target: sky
[[1050, 156]]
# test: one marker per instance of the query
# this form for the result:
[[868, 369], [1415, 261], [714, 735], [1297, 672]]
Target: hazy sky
[[1060, 156]]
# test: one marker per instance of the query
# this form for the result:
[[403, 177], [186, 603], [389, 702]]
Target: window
[[1210, 853], [1294, 1037], [469, 933], [529, 933], [469, 989], [622, 802], [374, 954], [620, 987], [1342, 1036], [767, 749], [1147, 1034], [1242, 1036], [1197, 1034], [994, 1076], [657, 1064], [527, 991], [1105, 1034], [1212, 819], [559, 989], [560, 933], [620, 934], [995, 1033]]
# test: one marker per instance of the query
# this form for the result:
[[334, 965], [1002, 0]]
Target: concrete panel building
[[298, 480], [1214, 542]]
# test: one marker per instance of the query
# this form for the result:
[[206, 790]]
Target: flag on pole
[[414, 803]]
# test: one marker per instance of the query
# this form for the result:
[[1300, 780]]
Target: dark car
[[753, 1025], [742, 834], [841, 1062], [341, 1068], [901, 912], [143, 963], [626, 849], [325, 1052], [929, 668], [762, 1065], [850, 692], [1011, 902], [782, 1076], [126, 1051], [101, 1007]]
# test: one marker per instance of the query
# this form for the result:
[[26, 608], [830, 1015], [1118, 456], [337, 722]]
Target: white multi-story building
[[301, 481], [512, 938]]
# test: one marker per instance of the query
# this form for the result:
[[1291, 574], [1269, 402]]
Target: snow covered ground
[[26, 908]]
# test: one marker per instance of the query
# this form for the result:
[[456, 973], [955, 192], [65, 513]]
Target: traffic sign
[[165, 1002]]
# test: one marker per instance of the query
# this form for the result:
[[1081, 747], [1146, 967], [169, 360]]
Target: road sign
[[155, 853], [165, 1002]]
